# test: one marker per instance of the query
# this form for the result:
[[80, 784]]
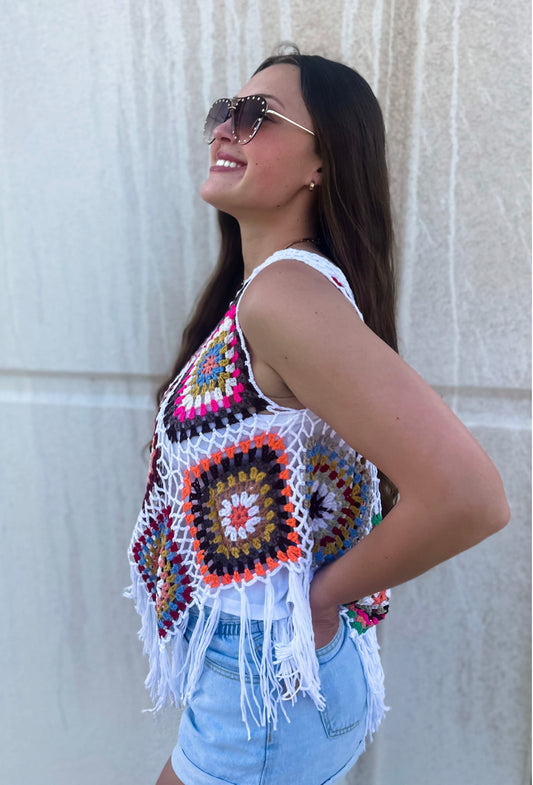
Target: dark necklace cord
[[312, 240]]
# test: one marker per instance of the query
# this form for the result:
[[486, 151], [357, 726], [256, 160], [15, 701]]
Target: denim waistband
[[228, 624]]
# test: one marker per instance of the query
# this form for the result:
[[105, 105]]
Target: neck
[[259, 242]]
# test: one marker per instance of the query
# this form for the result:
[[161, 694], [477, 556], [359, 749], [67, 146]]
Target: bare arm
[[451, 493]]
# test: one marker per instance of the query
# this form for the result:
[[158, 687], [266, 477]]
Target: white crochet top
[[245, 500]]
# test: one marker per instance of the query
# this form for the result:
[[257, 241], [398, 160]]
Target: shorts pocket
[[222, 656], [343, 686], [328, 651], [228, 667]]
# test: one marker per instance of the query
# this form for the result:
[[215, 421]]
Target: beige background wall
[[103, 245]]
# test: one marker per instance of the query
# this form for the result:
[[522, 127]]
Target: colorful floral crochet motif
[[239, 511], [339, 499], [363, 616], [162, 569], [153, 471], [214, 391]]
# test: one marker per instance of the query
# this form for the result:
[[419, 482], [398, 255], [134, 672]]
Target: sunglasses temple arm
[[271, 111]]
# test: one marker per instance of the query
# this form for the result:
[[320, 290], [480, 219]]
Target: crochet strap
[[330, 270]]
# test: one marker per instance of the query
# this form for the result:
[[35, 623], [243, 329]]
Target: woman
[[258, 563]]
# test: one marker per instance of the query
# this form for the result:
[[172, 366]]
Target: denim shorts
[[314, 748]]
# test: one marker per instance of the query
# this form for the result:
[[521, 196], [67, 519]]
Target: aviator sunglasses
[[246, 114]]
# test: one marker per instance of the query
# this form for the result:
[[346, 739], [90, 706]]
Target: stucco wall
[[103, 245]]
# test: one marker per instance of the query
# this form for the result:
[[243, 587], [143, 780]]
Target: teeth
[[227, 164]]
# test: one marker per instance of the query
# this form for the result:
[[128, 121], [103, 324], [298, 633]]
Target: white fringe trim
[[287, 665], [295, 645], [368, 647]]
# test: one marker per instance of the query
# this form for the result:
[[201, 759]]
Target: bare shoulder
[[288, 274], [291, 294]]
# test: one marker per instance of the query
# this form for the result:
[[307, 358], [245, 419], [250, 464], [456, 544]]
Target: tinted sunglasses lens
[[217, 115], [248, 116]]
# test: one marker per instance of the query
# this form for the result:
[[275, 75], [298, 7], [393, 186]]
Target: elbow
[[490, 511], [476, 509], [495, 519], [501, 514], [476, 519]]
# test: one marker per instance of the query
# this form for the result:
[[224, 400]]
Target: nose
[[223, 131]]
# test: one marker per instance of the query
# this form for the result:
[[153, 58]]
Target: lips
[[225, 162]]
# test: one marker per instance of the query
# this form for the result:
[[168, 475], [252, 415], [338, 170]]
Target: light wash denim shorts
[[315, 748]]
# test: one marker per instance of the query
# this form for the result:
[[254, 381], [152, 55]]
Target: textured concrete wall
[[103, 244]]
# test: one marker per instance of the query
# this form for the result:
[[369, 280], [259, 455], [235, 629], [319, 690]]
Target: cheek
[[279, 173]]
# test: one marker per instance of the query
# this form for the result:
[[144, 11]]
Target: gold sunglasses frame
[[234, 103]]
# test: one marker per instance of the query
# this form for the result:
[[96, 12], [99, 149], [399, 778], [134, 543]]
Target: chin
[[216, 199], [211, 195], [208, 196]]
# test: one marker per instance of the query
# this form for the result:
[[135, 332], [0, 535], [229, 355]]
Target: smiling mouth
[[228, 164]]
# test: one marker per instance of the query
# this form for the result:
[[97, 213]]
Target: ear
[[317, 176]]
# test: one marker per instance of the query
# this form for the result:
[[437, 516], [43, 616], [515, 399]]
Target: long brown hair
[[354, 224]]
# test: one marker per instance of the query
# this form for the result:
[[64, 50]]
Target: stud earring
[[312, 185]]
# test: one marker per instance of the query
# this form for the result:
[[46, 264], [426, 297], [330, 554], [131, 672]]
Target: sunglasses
[[246, 114]]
